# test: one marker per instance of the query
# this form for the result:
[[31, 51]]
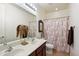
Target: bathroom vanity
[[35, 48], [40, 51]]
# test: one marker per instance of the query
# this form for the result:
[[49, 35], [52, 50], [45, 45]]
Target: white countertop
[[26, 50]]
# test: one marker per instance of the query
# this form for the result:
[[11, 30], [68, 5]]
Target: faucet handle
[[3, 37]]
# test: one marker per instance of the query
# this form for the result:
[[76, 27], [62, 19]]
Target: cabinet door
[[44, 51], [40, 53]]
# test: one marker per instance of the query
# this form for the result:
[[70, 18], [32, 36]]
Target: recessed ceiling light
[[56, 9]]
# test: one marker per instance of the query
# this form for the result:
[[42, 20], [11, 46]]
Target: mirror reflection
[[16, 23]]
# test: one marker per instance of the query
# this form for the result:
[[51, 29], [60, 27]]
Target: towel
[[71, 36], [22, 31], [17, 30], [25, 31]]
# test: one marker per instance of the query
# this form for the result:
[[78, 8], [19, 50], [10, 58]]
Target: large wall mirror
[[10, 17]]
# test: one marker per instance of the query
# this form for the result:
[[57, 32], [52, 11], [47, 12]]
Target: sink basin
[[24, 42], [13, 52]]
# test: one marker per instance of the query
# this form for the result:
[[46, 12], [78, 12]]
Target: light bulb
[[56, 8]]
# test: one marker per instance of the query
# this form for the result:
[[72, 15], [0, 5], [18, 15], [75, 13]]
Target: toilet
[[49, 48]]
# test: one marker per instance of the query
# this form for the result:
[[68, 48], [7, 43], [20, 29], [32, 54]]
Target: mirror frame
[[40, 26]]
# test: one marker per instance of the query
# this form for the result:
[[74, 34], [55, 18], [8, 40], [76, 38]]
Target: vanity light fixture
[[30, 5]]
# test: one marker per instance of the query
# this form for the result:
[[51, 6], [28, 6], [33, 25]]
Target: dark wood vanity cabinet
[[41, 51]]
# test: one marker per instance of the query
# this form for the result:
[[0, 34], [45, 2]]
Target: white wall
[[41, 14], [2, 25], [1, 32], [13, 16], [60, 13], [0, 19], [74, 12]]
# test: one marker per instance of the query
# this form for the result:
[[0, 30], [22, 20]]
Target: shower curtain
[[56, 33]]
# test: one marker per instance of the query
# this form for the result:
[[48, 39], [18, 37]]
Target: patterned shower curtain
[[56, 33]]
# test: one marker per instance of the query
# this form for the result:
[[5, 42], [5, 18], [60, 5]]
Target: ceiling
[[51, 7]]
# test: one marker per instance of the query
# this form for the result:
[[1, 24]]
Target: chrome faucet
[[33, 39], [9, 48]]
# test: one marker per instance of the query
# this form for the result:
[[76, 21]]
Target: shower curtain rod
[[57, 18]]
